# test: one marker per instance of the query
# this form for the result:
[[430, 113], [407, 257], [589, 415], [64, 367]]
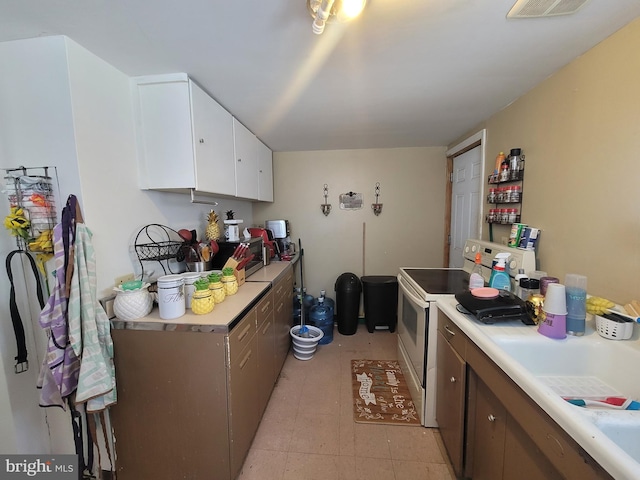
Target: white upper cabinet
[[185, 138], [187, 141], [265, 173], [213, 133], [246, 155]]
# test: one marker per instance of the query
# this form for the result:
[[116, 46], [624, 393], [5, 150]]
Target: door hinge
[[449, 239], [450, 177]]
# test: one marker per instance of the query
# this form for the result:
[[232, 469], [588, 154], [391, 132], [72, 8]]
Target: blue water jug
[[327, 301], [321, 316]]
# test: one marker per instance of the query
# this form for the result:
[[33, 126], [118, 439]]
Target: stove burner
[[436, 281]]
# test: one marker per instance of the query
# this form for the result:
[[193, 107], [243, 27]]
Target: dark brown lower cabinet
[[450, 401], [491, 429]]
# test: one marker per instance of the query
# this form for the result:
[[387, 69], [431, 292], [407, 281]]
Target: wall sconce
[[326, 207], [377, 207]]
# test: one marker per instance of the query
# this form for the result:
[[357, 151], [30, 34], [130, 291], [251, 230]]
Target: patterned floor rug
[[380, 393]]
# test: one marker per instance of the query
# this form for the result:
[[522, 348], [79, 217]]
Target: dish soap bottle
[[476, 280], [499, 277]]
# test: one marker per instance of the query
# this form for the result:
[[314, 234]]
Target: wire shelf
[[157, 243]]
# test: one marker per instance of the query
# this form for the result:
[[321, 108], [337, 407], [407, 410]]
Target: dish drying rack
[[157, 243]]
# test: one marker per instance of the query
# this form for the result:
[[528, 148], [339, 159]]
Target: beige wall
[[580, 132], [408, 232]]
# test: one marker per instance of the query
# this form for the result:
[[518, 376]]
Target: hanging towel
[[89, 329], [60, 367]]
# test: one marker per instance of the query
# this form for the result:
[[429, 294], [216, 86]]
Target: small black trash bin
[[348, 289], [380, 301]]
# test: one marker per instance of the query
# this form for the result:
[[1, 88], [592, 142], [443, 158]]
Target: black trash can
[[380, 301], [348, 289]]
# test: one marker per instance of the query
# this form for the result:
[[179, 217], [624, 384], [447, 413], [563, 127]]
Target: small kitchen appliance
[[504, 306], [419, 291], [281, 235]]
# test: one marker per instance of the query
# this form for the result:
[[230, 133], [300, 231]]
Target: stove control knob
[[512, 266]]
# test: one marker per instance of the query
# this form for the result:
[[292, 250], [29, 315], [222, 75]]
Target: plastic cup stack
[[554, 323]]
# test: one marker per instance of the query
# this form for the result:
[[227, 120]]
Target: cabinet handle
[[202, 140], [449, 331], [491, 417], [452, 379], [265, 307], [244, 333], [266, 327], [279, 309], [245, 360], [558, 444]]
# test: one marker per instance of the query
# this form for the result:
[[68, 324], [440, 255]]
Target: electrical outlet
[[124, 278]]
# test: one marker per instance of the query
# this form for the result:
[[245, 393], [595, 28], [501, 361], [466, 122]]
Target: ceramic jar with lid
[[218, 291], [230, 284], [132, 304], [202, 302]]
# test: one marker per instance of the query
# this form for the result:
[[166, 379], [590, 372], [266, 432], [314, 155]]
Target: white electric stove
[[419, 290]]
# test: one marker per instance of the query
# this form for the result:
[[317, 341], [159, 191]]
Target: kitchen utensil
[[205, 253], [610, 402], [631, 404], [243, 263], [215, 248], [235, 253]]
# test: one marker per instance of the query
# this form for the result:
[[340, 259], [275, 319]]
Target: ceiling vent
[[544, 8]]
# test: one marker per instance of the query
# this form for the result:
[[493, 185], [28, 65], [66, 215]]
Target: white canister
[[189, 287], [171, 296]]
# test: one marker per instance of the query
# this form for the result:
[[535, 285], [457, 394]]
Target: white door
[[465, 202]]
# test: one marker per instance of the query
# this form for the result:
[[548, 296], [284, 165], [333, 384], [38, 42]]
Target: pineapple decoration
[[213, 229]]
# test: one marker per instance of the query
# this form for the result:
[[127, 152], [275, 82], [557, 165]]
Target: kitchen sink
[[587, 367], [612, 364]]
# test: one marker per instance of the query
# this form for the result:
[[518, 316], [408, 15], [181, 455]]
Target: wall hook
[[326, 207], [377, 207]]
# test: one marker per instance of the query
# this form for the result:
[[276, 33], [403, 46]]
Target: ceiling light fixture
[[324, 11]]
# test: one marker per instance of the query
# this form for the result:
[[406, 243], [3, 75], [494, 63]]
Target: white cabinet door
[[213, 141], [246, 161], [265, 172], [165, 136]]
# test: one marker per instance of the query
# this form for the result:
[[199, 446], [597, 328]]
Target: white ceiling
[[406, 73]]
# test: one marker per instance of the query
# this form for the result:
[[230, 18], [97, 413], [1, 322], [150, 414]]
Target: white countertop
[[223, 316], [577, 422]]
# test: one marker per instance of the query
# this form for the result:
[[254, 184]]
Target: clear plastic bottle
[[476, 280]]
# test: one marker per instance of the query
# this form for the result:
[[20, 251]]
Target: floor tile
[[315, 433], [371, 441], [368, 468], [309, 466], [308, 430], [275, 430], [413, 443], [263, 465]]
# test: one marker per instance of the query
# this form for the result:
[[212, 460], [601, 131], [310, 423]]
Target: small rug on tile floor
[[380, 393]]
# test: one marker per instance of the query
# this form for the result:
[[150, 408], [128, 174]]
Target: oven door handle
[[410, 292]]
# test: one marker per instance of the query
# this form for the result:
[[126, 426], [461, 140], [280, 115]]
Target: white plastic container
[[171, 301], [189, 288]]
